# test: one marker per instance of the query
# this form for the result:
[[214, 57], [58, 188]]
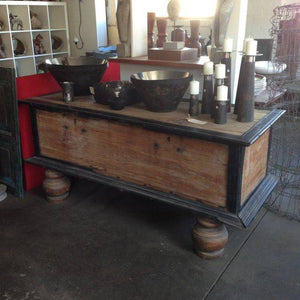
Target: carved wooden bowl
[[109, 93], [161, 91]]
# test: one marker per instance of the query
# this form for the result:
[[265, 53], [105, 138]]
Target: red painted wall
[[38, 85]]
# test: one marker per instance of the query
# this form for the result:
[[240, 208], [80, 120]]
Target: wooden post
[[210, 237], [56, 186], [245, 93], [207, 95], [150, 26]]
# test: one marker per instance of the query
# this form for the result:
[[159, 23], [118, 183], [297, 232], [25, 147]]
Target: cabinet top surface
[[143, 60], [173, 122]]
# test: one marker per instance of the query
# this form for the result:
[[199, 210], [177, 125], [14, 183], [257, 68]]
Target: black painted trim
[[252, 135], [35, 133], [257, 199], [78, 171], [247, 139], [269, 149], [235, 177]]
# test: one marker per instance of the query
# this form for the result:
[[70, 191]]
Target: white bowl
[[269, 67]]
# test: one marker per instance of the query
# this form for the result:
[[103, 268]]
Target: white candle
[[228, 45], [220, 71], [222, 93], [208, 48], [246, 41], [208, 68], [251, 47], [194, 87]]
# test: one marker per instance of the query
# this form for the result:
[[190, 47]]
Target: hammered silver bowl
[[83, 71]]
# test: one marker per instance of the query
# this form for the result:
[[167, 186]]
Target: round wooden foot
[[210, 237], [56, 186]]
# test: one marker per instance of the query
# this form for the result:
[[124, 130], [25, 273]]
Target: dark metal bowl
[[115, 92], [161, 91], [83, 71]]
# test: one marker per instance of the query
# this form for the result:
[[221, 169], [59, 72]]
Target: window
[[189, 8]]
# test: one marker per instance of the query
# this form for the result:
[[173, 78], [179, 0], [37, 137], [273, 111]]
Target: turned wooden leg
[[210, 237], [56, 186]]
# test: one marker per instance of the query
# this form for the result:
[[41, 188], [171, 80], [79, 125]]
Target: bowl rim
[[101, 62], [166, 80]]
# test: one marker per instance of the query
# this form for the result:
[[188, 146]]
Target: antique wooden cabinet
[[10, 150], [217, 170]]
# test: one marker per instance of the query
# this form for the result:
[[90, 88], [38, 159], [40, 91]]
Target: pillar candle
[[194, 87], [220, 70], [251, 47], [228, 45], [222, 93], [208, 68], [245, 42], [208, 49]]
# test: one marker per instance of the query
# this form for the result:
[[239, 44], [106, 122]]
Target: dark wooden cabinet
[[10, 150], [219, 170]]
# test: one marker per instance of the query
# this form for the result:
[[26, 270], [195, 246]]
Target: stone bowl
[[115, 93], [161, 91], [83, 71]]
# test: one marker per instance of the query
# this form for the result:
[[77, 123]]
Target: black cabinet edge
[[77, 171], [257, 199], [247, 139]]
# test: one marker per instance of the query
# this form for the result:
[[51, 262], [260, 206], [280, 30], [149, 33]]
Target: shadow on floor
[[104, 244]]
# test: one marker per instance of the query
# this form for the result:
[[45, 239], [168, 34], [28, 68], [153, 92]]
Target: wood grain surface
[[255, 165], [190, 168], [177, 117], [143, 60]]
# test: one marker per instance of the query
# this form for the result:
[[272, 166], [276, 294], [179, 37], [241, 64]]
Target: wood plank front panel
[[192, 168], [177, 117], [255, 165]]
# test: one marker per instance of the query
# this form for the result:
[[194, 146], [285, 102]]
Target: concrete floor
[[104, 244]]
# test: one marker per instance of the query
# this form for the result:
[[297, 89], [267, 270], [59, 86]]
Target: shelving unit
[[53, 16]]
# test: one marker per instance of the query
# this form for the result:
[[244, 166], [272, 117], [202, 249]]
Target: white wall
[[258, 17], [88, 27], [236, 30]]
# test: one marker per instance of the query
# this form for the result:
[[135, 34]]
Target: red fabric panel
[[30, 86], [112, 73], [36, 85], [33, 176], [25, 131]]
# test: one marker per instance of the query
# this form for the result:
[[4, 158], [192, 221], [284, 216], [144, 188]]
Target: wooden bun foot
[[209, 237], [56, 186]]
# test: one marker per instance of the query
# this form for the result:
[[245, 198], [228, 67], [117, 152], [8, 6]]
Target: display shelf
[[24, 66], [6, 42], [41, 14], [41, 43], [7, 63], [57, 37], [57, 17], [39, 59], [51, 21], [23, 39], [22, 17], [4, 18]]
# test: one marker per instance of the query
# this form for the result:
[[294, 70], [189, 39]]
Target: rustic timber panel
[[255, 165], [177, 117], [191, 168]]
